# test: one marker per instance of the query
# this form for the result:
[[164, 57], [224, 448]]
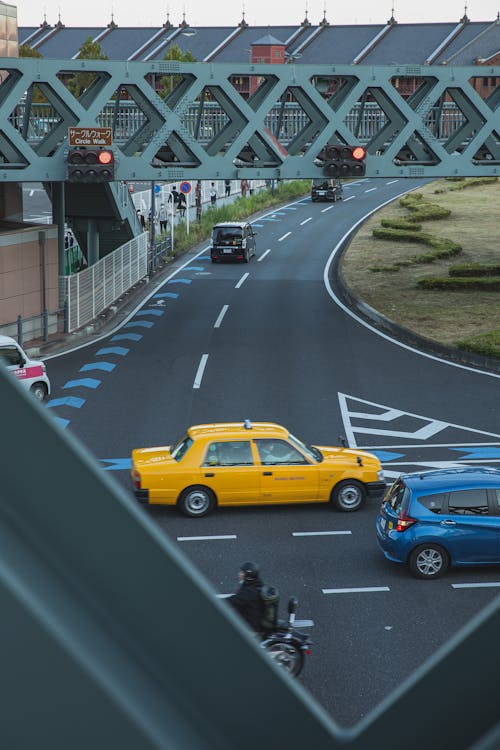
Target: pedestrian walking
[[141, 218], [181, 204], [173, 198], [227, 188], [243, 188], [197, 199], [250, 187], [162, 216], [213, 194]]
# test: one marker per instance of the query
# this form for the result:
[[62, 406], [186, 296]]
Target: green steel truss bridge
[[204, 128]]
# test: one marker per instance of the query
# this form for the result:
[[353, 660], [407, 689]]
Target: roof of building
[[459, 43]]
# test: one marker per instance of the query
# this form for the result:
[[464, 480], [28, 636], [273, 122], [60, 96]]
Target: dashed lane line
[[320, 533], [205, 538], [264, 255], [200, 371], [363, 590], [305, 221], [328, 208], [284, 237], [221, 315], [370, 190], [351, 197], [487, 585], [242, 280], [391, 182]]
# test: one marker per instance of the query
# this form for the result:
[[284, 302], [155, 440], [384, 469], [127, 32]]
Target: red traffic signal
[[344, 161], [87, 164]]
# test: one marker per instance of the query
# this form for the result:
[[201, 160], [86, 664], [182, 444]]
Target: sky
[[257, 12]]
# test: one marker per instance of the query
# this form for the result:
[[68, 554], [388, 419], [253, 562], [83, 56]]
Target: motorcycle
[[286, 645]]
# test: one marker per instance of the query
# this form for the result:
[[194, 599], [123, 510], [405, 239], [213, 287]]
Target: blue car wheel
[[428, 561]]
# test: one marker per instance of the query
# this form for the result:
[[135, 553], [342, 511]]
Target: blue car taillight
[[404, 522]]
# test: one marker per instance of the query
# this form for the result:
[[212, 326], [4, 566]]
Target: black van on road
[[326, 189], [232, 240]]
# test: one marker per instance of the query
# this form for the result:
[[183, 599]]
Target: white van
[[30, 372]]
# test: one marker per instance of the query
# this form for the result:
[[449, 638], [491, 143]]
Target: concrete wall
[[22, 272]]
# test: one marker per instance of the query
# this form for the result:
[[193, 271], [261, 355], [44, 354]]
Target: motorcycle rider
[[247, 600]]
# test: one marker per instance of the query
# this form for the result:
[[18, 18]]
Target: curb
[[405, 335]]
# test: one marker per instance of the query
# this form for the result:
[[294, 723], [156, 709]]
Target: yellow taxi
[[249, 463]]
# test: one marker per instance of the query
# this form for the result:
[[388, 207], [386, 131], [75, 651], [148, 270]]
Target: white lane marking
[[264, 255], [368, 326], [200, 371], [284, 237], [205, 538], [391, 182], [319, 533], [305, 221], [221, 315], [491, 584], [351, 197], [241, 281], [328, 208], [370, 190], [304, 623], [367, 589], [223, 596]]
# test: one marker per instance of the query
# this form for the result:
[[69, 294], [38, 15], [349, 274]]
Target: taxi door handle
[[211, 474], [267, 473]]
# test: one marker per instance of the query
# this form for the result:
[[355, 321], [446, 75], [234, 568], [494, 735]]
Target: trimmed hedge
[[408, 224], [460, 284], [487, 344], [472, 182], [421, 209], [474, 269], [442, 247]]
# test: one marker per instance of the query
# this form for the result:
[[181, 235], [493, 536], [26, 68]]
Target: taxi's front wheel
[[196, 501], [348, 495]]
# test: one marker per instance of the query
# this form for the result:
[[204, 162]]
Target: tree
[[80, 82], [168, 83], [26, 51]]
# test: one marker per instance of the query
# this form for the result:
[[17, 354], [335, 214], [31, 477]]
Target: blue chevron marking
[[105, 366], [116, 464], [386, 455], [150, 311], [120, 350], [140, 323], [193, 268], [180, 281], [73, 401], [204, 257], [482, 452], [61, 422], [84, 383], [127, 336], [172, 295]]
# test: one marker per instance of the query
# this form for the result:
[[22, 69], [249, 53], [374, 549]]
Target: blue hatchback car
[[433, 519]]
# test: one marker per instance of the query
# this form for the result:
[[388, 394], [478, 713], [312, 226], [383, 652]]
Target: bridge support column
[[92, 242], [59, 218]]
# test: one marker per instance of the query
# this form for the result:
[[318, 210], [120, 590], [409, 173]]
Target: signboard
[[90, 137], [157, 189], [185, 187]]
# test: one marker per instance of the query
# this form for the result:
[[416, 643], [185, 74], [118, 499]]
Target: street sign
[[185, 187], [90, 136], [157, 189]]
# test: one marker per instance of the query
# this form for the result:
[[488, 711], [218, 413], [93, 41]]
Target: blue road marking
[[258, 226], [62, 422], [482, 452], [172, 295], [84, 383], [127, 336], [73, 401], [289, 208], [180, 281], [193, 268], [120, 350], [150, 311], [105, 366], [117, 464], [269, 218], [205, 257], [279, 213], [386, 455], [140, 323]]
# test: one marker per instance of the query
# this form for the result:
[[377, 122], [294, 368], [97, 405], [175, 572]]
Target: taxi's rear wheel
[[348, 495], [196, 501], [39, 390]]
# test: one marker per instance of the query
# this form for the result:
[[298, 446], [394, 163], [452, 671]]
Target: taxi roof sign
[[90, 137]]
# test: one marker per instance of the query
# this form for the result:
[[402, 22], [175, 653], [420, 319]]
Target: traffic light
[[87, 164], [344, 161]]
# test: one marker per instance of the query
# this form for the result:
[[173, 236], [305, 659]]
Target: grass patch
[[487, 344]]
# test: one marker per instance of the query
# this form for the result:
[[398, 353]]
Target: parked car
[[232, 241], [252, 464], [326, 189], [31, 373], [433, 519]]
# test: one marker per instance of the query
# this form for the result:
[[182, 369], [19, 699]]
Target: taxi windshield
[[309, 450]]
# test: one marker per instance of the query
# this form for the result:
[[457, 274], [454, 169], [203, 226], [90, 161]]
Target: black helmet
[[250, 571]]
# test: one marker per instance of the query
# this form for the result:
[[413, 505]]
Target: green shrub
[[487, 344], [385, 269], [441, 247], [473, 182], [421, 209], [401, 224], [474, 269], [399, 235], [459, 284]]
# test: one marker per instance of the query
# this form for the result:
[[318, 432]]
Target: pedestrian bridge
[[201, 127]]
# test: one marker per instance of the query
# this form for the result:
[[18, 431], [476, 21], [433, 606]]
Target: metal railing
[[91, 291]]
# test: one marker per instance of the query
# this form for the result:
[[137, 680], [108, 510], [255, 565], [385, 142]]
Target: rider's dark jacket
[[248, 603]]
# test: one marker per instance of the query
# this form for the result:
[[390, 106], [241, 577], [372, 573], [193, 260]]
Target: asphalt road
[[269, 341]]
